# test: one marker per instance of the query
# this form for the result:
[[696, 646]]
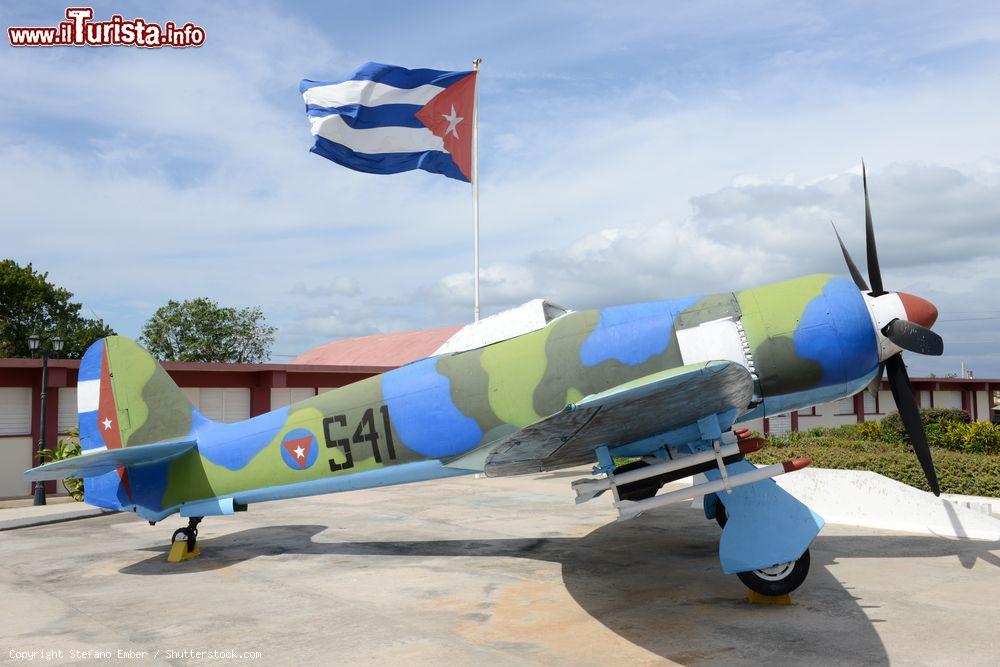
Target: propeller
[[906, 404], [871, 252], [913, 337], [911, 334], [851, 266]]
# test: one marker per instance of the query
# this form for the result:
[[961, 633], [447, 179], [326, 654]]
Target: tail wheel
[[779, 579], [189, 533]]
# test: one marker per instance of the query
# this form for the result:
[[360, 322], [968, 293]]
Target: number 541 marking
[[365, 432]]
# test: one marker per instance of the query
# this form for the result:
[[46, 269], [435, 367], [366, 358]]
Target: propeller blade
[[913, 337], [906, 404], [874, 274], [876, 382], [851, 266]]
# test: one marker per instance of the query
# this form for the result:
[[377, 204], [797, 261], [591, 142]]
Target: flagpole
[[475, 183]]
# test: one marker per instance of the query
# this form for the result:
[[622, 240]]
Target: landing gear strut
[[184, 543]]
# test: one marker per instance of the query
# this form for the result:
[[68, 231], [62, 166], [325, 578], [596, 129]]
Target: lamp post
[[34, 345]]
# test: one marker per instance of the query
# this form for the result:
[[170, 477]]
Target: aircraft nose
[[918, 310]]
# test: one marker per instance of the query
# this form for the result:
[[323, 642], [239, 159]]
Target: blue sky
[[629, 151]]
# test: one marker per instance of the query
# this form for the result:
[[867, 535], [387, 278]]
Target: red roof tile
[[390, 350]]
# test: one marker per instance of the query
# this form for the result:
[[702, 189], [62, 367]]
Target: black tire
[[721, 516], [644, 488], [778, 580]]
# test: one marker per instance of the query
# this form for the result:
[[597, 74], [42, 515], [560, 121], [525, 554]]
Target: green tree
[[202, 330], [29, 304]]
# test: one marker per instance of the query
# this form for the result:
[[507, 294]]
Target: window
[[282, 396], [225, 405], [844, 406], [15, 411], [67, 409]]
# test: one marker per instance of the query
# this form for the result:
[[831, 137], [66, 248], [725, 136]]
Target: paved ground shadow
[[651, 581]]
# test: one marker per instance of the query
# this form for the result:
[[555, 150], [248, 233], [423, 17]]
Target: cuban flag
[[385, 119]]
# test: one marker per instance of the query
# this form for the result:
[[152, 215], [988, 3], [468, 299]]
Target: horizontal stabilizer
[[101, 461]]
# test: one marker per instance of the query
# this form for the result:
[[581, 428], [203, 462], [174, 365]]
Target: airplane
[[664, 383]]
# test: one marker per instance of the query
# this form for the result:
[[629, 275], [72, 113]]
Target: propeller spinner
[[903, 322]]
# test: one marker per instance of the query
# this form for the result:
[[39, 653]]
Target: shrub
[[892, 425], [976, 437], [66, 448], [871, 431], [982, 437]]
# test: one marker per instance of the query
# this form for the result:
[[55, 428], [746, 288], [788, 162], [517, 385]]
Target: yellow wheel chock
[[184, 543], [759, 598]]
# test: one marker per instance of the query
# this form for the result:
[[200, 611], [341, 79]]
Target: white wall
[[887, 404], [828, 415], [15, 458], [780, 424], [983, 405], [948, 399], [807, 422]]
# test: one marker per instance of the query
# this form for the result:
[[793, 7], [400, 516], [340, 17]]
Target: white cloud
[[341, 286], [503, 285]]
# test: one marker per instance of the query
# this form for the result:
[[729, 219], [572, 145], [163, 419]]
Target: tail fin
[[125, 399]]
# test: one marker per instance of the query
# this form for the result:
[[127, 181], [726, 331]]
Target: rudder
[[125, 399]]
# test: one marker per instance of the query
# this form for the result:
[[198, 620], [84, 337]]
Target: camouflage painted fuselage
[[806, 341]]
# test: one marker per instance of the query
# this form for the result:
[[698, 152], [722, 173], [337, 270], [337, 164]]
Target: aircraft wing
[[630, 412]]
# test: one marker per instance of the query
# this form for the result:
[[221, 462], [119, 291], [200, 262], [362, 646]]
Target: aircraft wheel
[[780, 579], [189, 533], [644, 488], [721, 516]]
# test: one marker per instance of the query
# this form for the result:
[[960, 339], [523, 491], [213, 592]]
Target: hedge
[[965, 471], [945, 429]]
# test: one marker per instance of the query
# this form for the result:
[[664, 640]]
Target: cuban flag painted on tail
[[385, 119]]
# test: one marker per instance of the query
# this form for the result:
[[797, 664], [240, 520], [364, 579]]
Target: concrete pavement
[[483, 571], [28, 515]]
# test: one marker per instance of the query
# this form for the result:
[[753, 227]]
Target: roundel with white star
[[299, 449]]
